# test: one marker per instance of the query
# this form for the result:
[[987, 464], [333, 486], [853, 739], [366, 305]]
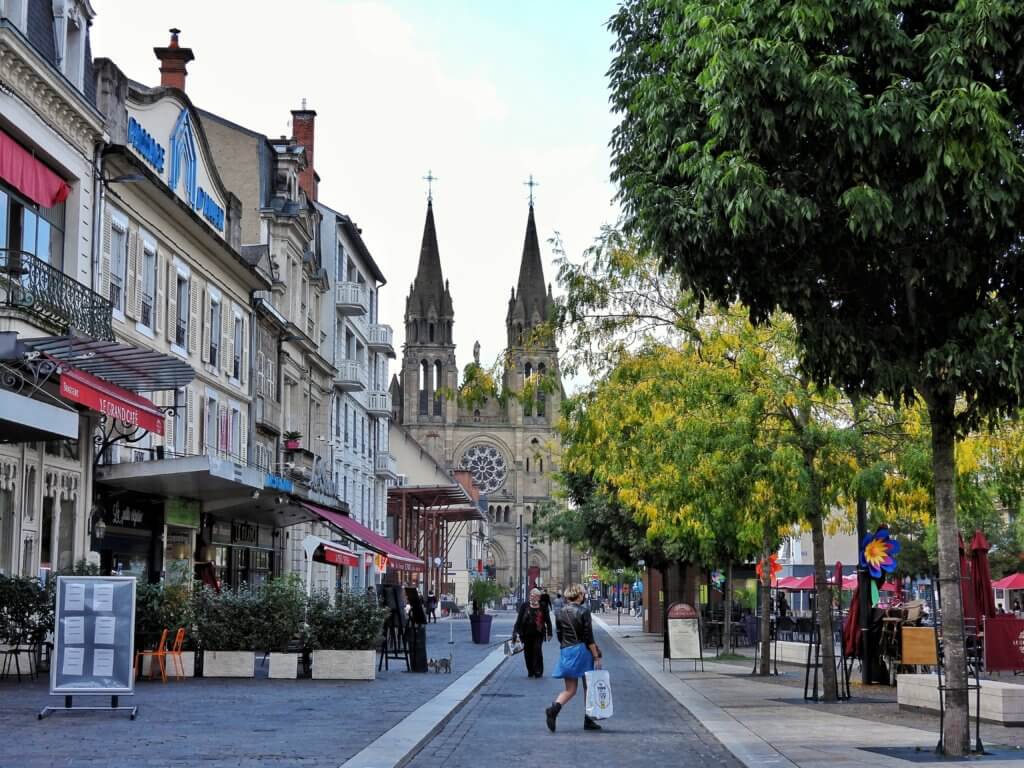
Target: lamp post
[[618, 596]]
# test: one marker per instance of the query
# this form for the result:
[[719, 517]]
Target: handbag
[[599, 694], [512, 647]]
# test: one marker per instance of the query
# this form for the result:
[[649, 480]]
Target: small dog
[[440, 664]]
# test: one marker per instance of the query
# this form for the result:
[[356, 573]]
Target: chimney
[[172, 63], [302, 129]]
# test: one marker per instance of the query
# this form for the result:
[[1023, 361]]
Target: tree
[[857, 164]]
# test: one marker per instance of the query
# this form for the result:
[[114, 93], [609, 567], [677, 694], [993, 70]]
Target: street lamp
[[618, 596]]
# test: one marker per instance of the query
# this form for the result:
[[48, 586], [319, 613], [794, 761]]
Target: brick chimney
[[172, 63], [303, 121]]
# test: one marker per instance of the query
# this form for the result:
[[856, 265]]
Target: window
[[235, 441], [118, 265], [181, 322], [214, 332], [346, 423], [149, 266], [236, 364], [210, 428], [27, 227]]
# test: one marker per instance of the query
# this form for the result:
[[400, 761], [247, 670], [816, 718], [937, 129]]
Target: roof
[[135, 369], [355, 235], [429, 497], [531, 296], [429, 289]]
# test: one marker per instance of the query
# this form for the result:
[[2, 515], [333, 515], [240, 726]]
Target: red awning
[[30, 176], [402, 559], [335, 554], [111, 400]]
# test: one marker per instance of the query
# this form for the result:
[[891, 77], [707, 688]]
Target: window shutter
[[227, 337], [243, 431], [140, 275], [131, 295], [170, 422], [223, 422], [158, 300], [172, 300], [190, 420], [194, 300], [105, 255], [243, 375], [204, 349], [260, 376]]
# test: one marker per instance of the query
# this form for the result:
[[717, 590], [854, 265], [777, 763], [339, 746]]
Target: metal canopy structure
[[139, 370]]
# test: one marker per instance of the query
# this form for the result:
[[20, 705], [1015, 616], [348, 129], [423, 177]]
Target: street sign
[[595, 583]]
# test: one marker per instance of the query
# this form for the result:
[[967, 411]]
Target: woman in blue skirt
[[579, 653]]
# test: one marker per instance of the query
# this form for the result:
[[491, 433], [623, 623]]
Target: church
[[509, 444]]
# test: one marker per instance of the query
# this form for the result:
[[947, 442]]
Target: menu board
[[683, 639], [93, 639]]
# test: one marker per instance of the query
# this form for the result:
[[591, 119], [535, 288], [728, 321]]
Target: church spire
[[531, 303], [428, 310], [429, 280]]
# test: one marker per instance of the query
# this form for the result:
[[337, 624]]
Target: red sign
[[111, 400], [340, 557]]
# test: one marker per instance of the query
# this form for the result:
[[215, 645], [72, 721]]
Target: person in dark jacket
[[579, 653], [533, 627]]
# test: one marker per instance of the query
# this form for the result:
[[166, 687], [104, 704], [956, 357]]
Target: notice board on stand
[[682, 641], [93, 636]]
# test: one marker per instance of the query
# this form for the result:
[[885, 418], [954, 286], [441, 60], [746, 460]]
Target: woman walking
[[579, 653], [533, 627]]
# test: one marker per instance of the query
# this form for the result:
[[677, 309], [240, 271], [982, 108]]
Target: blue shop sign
[[278, 483], [150, 149]]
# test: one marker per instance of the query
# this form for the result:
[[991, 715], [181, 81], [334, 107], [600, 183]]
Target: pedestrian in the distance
[[533, 627], [431, 607], [579, 653], [545, 603]]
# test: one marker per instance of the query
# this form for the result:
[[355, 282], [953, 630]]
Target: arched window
[[527, 463], [506, 513], [424, 386], [430, 332], [412, 330], [528, 402], [438, 384], [476, 415], [540, 466], [541, 370]]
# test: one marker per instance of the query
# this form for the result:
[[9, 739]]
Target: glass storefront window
[[66, 536], [27, 227], [178, 555], [6, 533]]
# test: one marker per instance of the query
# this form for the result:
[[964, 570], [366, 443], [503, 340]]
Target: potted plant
[[292, 440], [279, 608], [26, 618], [344, 636], [481, 592], [226, 631]]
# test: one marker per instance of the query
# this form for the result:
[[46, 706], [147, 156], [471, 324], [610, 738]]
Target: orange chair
[[159, 655], [175, 653]]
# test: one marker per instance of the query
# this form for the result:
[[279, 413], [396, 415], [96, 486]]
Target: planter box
[[188, 661], [229, 663], [344, 665], [292, 445], [284, 666], [480, 628]]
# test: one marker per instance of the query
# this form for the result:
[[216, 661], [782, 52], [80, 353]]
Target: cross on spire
[[531, 184], [430, 178]]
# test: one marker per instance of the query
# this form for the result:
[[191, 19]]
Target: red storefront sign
[[340, 557], [111, 400]]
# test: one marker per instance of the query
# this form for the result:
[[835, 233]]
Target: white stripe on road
[[393, 748]]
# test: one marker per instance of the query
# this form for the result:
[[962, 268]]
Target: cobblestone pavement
[[503, 724], [220, 723]]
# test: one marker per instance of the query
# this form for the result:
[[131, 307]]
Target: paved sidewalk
[[254, 723], [769, 724], [502, 724]]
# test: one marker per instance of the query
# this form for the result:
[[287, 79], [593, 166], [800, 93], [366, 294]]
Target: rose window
[[487, 466]]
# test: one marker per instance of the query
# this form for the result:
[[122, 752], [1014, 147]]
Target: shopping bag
[[512, 647], [599, 694]]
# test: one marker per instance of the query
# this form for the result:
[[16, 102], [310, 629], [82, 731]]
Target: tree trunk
[[955, 728], [727, 609], [823, 600], [766, 606]]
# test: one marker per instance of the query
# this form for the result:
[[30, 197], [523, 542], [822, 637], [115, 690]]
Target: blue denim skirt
[[574, 662]]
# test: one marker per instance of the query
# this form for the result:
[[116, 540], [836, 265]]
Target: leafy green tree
[[857, 164]]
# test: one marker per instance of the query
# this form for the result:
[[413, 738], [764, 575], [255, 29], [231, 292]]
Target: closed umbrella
[[851, 628], [981, 577], [966, 590]]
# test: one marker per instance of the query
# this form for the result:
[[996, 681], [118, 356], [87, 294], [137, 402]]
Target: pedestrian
[[559, 602], [545, 603], [431, 607], [782, 605], [579, 653], [533, 627]]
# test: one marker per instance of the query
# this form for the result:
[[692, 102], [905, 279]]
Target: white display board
[[684, 639], [94, 636]]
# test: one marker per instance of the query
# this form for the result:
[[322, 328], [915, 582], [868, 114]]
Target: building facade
[[509, 446]]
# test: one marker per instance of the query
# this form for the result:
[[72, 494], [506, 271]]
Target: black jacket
[[573, 624], [526, 623]]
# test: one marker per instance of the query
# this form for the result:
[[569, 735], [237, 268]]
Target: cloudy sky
[[481, 92]]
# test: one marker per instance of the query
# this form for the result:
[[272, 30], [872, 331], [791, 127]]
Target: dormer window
[[70, 27]]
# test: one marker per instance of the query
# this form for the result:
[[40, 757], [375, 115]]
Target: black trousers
[[533, 656]]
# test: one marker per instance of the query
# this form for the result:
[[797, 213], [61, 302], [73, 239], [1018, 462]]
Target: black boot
[[552, 713], [590, 724]]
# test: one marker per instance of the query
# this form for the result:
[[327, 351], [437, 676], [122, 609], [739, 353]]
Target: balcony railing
[[268, 414], [351, 376], [385, 465], [351, 298], [379, 403], [380, 338], [33, 286]]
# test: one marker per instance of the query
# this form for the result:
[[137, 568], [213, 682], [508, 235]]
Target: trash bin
[[417, 640]]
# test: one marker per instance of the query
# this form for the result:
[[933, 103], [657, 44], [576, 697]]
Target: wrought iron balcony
[[34, 287], [380, 338], [378, 403], [351, 298]]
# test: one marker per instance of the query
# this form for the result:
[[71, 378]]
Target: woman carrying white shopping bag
[[579, 654]]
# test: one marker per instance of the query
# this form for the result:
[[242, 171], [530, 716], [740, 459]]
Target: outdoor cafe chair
[[175, 653], [17, 647], [158, 656]]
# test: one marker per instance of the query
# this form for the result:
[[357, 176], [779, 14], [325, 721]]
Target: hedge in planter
[[344, 635], [279, 608], [226, 630]]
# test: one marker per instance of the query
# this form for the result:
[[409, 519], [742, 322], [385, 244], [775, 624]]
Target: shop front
[[240, 551], [127, 534]]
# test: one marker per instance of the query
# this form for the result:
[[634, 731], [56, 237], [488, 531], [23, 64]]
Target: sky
[[482, 93]]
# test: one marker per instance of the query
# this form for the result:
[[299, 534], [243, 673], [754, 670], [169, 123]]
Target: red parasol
[[984, 601], [851, 628], [1014, 581]]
